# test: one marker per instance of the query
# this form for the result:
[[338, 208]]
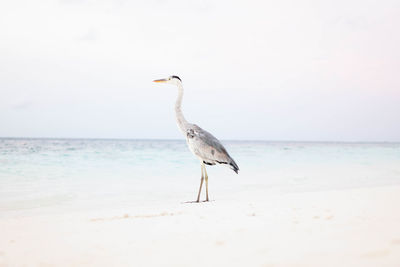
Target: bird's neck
[[180, 119]]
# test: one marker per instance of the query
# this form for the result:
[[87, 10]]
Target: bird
[[201, 143]]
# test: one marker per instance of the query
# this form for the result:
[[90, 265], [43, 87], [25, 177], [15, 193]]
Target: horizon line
[[182, 139]]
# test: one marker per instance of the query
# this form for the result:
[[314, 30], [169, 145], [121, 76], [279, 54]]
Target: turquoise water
[[64, 175]]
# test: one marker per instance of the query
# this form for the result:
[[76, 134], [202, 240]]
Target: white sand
[[358, 227]]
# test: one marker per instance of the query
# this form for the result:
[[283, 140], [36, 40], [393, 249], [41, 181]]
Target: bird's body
[[202, 144], [207, 148]]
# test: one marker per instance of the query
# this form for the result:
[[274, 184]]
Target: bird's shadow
[[195, 202]]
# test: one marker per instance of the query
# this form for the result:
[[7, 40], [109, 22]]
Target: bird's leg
[[201, 182], [206, 177]]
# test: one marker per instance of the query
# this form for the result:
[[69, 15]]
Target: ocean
[[42, 176]]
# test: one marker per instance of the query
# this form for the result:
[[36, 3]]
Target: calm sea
[[40, 176]]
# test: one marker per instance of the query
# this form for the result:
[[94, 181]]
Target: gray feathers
[[202, 144], [208, 148]]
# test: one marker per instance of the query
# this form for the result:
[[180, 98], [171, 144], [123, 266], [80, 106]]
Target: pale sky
[[258, 70]]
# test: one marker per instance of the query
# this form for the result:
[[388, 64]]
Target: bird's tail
[[234, 166]]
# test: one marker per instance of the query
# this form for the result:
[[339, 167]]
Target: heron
[[201, 143]]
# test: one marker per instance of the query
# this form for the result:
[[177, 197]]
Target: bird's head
[[171, 80]]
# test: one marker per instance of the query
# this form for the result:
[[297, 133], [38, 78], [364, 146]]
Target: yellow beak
[[160, 81]]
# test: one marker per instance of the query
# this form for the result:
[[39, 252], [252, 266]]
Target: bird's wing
[[207, 147]]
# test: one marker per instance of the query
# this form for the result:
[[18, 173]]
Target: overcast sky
[[264, 70]]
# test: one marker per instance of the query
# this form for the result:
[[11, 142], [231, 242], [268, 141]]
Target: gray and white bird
[[203, 145]]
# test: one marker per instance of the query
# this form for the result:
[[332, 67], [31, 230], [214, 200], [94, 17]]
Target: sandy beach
[[351, 227], [285, 113]]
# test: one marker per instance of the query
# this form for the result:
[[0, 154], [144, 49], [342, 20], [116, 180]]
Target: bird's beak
[[160, 81]]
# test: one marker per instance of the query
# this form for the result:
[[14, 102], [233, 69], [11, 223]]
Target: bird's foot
[[196, 201], [193, 201]]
